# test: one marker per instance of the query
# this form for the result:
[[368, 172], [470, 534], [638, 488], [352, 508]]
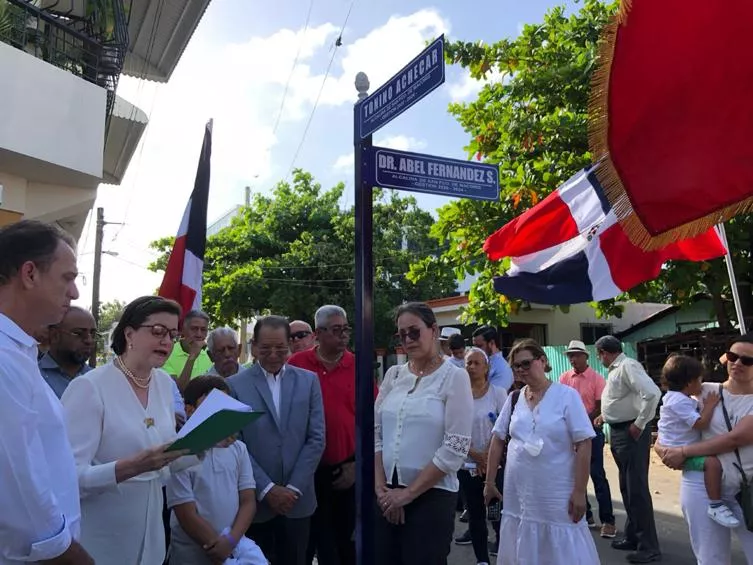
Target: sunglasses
[[523, 365], [413, 334], [299, 335], [160, 331], [746, 360]]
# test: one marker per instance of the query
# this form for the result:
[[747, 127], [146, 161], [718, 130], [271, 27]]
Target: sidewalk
[[672, 530]]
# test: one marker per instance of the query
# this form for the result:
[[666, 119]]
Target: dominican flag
[[183, 276], [570, 248]]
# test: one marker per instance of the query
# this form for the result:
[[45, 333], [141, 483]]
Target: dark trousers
[[632, 458], [425, 537], [283, 540], [473, 491], [601, 484], [166, 522], [333, 523]]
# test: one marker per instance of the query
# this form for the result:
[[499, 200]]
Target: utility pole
[[244, 322], [95, 278], [100, 235]]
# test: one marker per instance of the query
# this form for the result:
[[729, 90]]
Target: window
[[589, 333]]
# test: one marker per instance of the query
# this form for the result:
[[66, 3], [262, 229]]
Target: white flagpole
[[732, 279]]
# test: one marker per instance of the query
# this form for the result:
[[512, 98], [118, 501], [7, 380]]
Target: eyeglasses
[[299, 335], [411, 333], [160, 331], [523, 365], [338, 331], [746, 360], [81, 333]]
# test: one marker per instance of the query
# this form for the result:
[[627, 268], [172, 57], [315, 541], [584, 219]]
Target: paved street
[[672, 530]]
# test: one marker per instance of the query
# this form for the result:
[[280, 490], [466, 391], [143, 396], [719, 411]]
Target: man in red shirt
[[333, 523], [590, 385]]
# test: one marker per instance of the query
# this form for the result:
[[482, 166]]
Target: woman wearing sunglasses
[[423, 419], [547, 468], [120, 417], [711, 542]]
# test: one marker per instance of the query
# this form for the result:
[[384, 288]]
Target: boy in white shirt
[[213, 503], [680, 424]]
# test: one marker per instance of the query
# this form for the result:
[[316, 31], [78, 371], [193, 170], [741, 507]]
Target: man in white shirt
[[628, 405], [39, 497]]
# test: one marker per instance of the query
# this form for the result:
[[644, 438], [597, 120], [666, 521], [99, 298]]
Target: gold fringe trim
[[598, 141]]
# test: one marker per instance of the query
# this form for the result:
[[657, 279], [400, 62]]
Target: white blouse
[[431, 424], [121, 522]]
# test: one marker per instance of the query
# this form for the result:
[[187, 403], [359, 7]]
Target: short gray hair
[[609, 343], [221, 332], [326, 312], [192, 314], [478, 350]]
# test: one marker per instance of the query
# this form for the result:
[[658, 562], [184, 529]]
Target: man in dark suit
[[285, 444]]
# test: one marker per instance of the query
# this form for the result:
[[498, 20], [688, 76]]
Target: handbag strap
[[514, 401], [739, 463]]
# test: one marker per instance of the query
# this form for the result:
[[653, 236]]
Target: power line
[[338, 43], [295, 64]]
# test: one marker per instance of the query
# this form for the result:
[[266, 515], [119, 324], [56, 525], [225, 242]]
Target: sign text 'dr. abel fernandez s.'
[[402, 170], [417, 79]]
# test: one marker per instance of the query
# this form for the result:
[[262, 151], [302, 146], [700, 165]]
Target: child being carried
[[681, 422]]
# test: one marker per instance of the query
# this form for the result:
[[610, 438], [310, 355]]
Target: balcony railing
[[92, 47]]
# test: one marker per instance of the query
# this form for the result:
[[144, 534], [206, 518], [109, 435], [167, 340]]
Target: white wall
[[53, 124], [561, 326]]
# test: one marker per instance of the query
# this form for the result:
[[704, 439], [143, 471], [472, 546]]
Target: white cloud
[[400, 142], [241, 86], [468, 87]]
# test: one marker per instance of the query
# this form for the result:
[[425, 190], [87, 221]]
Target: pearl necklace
[[140, 382]]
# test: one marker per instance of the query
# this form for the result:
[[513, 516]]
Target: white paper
[[214, 402]]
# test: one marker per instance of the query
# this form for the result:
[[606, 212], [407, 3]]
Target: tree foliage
[[109, 314], [292, 251], [532, 120]]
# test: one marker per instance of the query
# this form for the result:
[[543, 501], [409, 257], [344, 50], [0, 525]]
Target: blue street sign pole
[[364, 322]]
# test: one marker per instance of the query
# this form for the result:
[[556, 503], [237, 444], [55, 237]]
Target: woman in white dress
[[546, 473], [120, 418], [423, 419]]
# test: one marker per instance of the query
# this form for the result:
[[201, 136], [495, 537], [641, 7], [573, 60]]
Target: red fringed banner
[[672, 116]]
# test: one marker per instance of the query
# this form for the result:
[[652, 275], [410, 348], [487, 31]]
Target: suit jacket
[[284, 450]]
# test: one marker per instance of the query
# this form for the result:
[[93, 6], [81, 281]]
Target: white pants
[[711, 542]]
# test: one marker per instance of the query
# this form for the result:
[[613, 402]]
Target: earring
[[130, 346]]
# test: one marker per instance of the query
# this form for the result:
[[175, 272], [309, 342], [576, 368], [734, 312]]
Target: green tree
[[109, 314], [292, 251], [534, 124]]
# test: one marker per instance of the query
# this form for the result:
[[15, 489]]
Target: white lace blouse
[[431, 424]]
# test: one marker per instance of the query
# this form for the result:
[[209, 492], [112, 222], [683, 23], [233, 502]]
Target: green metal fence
[[558, 360]]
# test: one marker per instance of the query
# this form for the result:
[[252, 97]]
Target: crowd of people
[[87, 477]]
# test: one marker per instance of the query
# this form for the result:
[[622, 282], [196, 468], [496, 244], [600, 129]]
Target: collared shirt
[[273, 381], [39, 500], [339, 398], [500, 373], [54, 375], [178, 359], [630, 394], [589, 384]]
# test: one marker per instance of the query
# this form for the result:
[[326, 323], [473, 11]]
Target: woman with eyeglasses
[[547, 468], [120, 418], [423, 420], [732, 443]]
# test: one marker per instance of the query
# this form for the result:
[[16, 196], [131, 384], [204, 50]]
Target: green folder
[[218, 426]]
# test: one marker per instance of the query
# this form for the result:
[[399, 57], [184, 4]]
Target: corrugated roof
[[159, 31]]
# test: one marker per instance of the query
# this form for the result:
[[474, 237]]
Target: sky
[[257, 69]]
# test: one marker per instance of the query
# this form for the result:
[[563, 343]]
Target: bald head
[[72, 340], [301, 336]]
